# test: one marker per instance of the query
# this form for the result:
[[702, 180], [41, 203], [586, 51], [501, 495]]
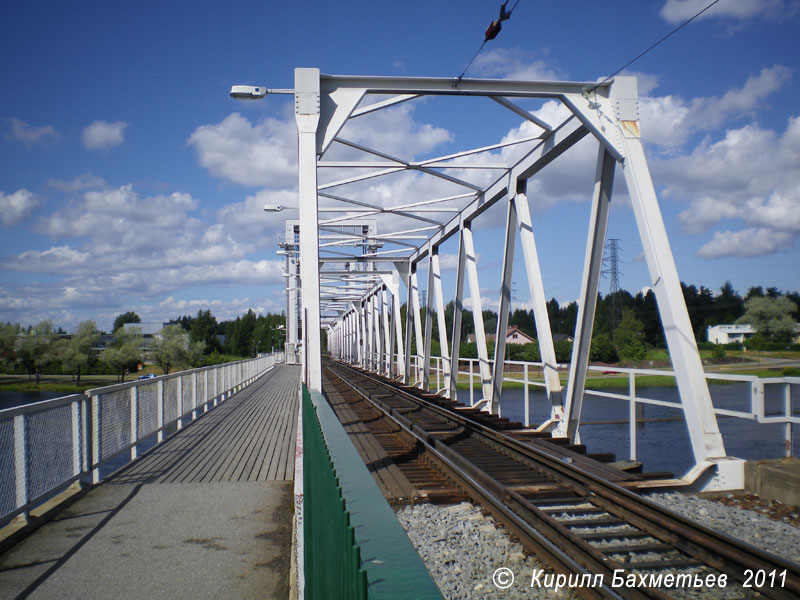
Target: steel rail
[[712, 548], [485, 490]]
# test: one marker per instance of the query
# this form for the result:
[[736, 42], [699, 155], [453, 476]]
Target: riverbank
[[599, 381], [56, 383]]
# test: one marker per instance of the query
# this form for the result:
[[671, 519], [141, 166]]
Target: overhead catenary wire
[[651, 47], [495, 27], [491, 32]]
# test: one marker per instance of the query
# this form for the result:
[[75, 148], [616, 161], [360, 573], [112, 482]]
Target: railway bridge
[[270, 477]]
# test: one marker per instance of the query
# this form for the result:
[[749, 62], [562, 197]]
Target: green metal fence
[[332, 558], [354, 546]]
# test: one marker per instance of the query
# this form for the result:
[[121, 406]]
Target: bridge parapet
[[350, 533], [47, 446]]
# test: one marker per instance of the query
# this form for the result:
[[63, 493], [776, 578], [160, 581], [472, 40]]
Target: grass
[[55, 383]]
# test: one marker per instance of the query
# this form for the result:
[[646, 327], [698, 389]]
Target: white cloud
[[669, 121], [86, 181], [513, 63], [249, 221], [264, 154], [28, 134], [16, 207], [396, 132], [746, 243], [750, 175], [101, 135], [677, 11]]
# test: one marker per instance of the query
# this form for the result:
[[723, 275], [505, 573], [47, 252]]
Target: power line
[[611, 259], [491, 32], [641, 54]]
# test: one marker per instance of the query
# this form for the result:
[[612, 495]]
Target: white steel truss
[[362, 306]]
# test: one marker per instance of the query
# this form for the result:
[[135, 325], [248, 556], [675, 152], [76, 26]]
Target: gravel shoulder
[[463, 548]]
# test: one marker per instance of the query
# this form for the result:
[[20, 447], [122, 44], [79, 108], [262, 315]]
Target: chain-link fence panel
[[115, 422], [171, 400], [147, 413], [187, 393], [49, 449], [201, 388], [8, 491]]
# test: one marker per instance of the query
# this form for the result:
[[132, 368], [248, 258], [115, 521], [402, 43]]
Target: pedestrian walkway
[[206, 514]]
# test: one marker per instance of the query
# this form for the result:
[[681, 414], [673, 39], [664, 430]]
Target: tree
[[124, 354], [203, 328], [128, 317], [628, 337], [36, 349], [770, 317], [602, 349], [170, 348], [728, 305], [8, 342], [78, 351]]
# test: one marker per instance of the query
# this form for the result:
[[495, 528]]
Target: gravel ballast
[[462, 548], [749, 526]]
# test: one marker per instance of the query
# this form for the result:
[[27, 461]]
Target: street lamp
[[252, 92]]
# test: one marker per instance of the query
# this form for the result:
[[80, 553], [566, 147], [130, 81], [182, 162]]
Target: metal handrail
[[46, 446], [756, 401]]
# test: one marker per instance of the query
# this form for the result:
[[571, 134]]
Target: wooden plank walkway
[[206, 514], [249, 437]]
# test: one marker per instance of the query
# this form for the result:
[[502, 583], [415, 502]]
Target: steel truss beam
[[370, 332]]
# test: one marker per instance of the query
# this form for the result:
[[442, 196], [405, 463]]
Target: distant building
[[563, 337], [514, 335], [731, 334], [146, 329], [149, 331]]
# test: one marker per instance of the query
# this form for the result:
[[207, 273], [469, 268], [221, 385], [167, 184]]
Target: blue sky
[[129, 180]]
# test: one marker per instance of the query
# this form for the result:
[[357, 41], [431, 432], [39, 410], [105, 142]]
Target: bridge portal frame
[[608, 111]]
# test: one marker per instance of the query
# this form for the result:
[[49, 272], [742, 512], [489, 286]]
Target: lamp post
[[307, 117]]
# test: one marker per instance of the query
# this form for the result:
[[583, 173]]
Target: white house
[[729, 334], [514, 335]]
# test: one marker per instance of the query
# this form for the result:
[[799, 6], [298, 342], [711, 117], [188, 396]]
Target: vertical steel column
[[306, 84], [477, 313], [397, 340], [692, 385], [376, 305], [387, 333], [505, 304], [369, 346], [417, 324], [439, 302], [361, 334], [426, 365], [354, 335], [544, 333], [134, 414], [458, 309], [592, 266], [75, 420], [20, 462], [408, 326]]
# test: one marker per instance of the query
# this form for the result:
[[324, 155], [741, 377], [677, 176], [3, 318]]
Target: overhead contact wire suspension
[[491, 32]]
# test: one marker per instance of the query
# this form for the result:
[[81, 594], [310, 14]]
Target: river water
[[12, 399], [661, 445]]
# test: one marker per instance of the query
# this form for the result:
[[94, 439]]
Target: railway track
[[582, 518]]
